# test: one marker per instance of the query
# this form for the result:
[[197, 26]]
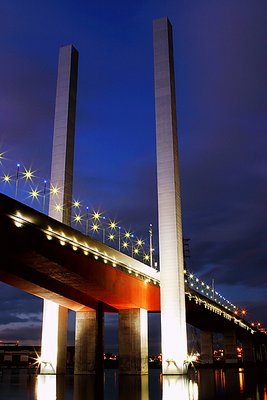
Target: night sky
[[221, 85]]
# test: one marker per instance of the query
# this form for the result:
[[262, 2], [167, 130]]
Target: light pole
[[119, 227], [87, 221], [132, 236], [44, 196], [17, 180], [104, 229], [151, 245]]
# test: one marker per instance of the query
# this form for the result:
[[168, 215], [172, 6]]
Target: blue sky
[[221, 85]]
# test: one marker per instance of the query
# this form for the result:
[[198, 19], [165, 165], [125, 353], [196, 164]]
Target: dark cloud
[[26, 334]]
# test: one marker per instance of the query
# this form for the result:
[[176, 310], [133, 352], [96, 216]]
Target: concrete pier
[[248, 349], [206, 347], [133, 342], [173, 322], [229, 346], [89, 342], [54, 341], [54, 316]]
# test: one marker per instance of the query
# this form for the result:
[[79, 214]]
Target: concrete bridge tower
[[55, 317], [173, 321]]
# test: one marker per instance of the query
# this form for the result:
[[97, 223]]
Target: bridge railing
[[25, 185]]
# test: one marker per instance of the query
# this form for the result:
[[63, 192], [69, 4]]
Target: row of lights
[[200, 286], [20, 220], [219, 311], [259, 326], [95, 222], [92, 223], [111, 231], [63, 240]]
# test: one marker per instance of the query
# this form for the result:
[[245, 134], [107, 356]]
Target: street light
[[137, 246], [126, 240], [95, 221]]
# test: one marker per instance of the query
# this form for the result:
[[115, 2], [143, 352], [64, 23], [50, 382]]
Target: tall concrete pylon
[[55, 317], [173, 319], [63, 139]]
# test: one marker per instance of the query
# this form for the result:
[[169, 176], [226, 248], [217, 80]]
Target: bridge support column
[[206, 347], [258, 353], [54, 339], [89, 342], [248, 350], [229, 344], [133, 342]]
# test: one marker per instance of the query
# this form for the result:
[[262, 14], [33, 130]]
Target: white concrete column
[[133, 342], [60, 201], [61, 180], [173, 320], [54, 339]]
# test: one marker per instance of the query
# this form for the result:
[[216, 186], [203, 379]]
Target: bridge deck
[[53, 261]]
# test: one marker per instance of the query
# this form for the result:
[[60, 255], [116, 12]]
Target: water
[[204, 384]]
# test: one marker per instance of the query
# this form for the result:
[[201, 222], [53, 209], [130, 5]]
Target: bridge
[[46, 257], [55, 262]]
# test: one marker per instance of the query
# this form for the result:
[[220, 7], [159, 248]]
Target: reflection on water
[[46, 386], [241, 379], [182, 385], [204, 384], [49, 387], [133, 387]]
